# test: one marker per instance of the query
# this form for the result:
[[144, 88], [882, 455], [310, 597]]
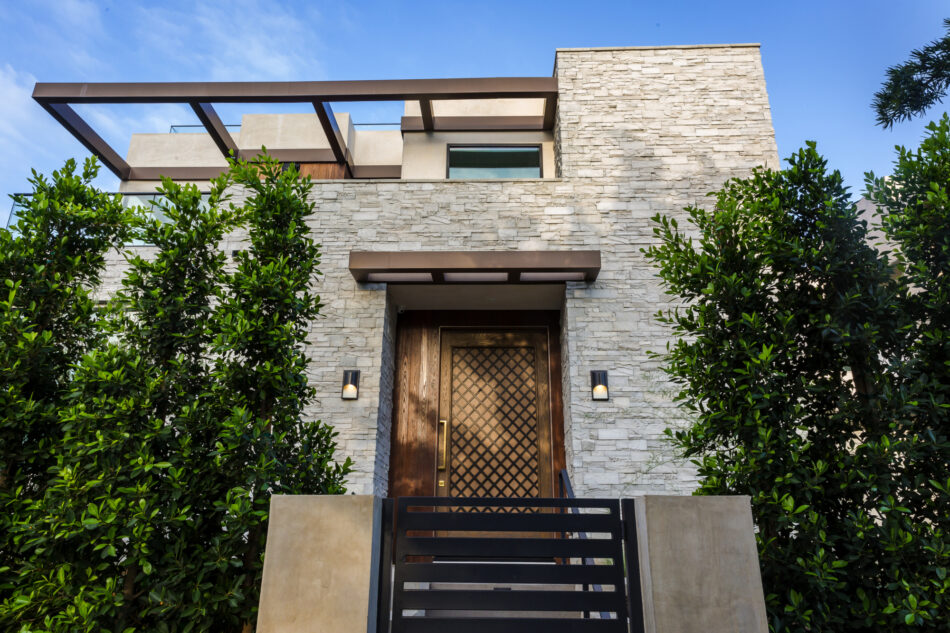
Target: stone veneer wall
[[640, 131], [643, 131]]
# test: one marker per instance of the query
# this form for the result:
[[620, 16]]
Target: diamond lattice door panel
[[495, 439]]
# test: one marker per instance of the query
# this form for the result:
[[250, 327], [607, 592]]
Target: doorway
[[477, 408]]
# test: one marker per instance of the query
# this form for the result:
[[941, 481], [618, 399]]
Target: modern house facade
[[482, 266]]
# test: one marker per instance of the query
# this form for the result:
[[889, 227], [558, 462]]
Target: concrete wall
[[479, 107], [273, 131], [286, 131], [321, 565], [699, 565], [165, 150], [640, 131], [377, 147]]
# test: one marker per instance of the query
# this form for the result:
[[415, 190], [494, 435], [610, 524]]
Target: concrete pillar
[[699, 565], [321, 565]]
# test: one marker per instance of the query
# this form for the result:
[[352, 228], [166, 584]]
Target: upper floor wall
[[666, 118]]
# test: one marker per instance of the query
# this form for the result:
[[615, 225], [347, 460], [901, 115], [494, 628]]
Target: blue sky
[[823, 60]]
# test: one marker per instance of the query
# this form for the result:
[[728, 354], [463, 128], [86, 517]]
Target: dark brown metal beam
[[298, 91], [475, 124], [331, 130], [584, 264], [175, 173], [550, 112], [76, 126], [219, 133], [292, 155], [376, 171], [425, 106]]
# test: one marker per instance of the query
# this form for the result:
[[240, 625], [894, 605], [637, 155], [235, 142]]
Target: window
[[494, 161]]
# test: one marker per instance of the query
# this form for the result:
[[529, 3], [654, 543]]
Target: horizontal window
[[494, 161]]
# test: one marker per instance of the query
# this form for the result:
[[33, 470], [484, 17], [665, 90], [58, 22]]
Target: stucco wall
[[424, 156], [640, 131]]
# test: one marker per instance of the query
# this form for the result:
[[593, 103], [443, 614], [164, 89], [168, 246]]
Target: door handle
[[445, 441]]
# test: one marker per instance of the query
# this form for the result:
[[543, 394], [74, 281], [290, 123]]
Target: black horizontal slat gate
[[476, 564]]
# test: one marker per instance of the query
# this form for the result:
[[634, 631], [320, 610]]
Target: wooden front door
[[476, 405], [494, 432]]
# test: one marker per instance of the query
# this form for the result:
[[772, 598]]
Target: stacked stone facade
[[640, 131]]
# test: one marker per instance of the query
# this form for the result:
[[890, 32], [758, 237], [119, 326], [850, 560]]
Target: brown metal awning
[[483, 267], [57, 98]]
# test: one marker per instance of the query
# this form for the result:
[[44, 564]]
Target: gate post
[[321, 565], [632, 559], [384, 601]]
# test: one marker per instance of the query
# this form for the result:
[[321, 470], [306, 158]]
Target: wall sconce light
[[598, 385], [351, 384]]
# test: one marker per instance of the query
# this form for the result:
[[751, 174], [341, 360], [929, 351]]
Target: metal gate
[[467, 565]]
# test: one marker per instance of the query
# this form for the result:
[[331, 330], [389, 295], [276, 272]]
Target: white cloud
[[30, 138], [242, 40], [84, 40], [19, 114], [69, 32], [117, 123]]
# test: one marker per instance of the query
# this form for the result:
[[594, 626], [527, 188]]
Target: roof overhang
[[57, 99], [427, 267]]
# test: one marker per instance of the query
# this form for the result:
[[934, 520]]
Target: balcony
[[515, 114]]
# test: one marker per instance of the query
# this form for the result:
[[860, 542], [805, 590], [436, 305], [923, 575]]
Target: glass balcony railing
[[133, 199], [199, 129], [379, 126], [12, 216]]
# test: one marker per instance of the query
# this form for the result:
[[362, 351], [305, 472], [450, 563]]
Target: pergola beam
[[332, 131], [218, 131], [550, 112], [78, 127], [425, 106], [298, 91]]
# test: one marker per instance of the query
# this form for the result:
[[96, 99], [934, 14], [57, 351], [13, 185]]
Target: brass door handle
[[445, 440]]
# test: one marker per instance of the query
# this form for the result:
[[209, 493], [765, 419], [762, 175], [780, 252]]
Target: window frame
[[538, 146]]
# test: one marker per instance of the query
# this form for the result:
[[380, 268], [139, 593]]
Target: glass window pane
[[494, 162]]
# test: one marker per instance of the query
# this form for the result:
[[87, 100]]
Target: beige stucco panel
[[320, 565], [424, 155], [287, 131], [480, 107], [179, 150], [377, 147], [700, 565]]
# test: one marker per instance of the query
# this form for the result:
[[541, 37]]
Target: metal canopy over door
[[494, 415]]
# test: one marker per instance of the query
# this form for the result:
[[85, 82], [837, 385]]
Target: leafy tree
[[789, 338], [50, 265], [915, 207], [264, 447], [118, 501], [154, 519], [912, 87]]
